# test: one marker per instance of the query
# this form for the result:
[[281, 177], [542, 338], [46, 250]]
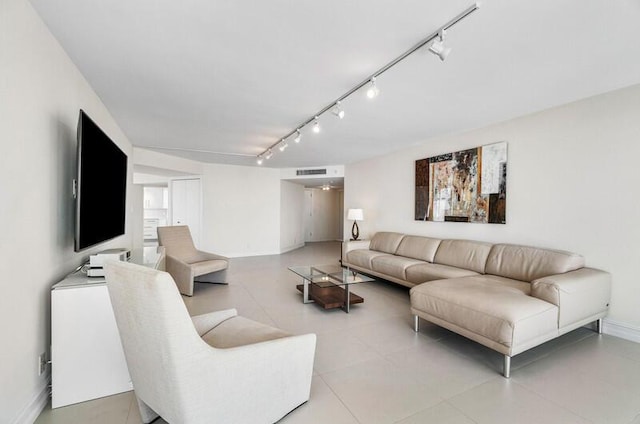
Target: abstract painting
[[465, 186]]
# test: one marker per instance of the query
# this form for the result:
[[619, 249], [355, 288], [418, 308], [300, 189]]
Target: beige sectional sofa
[[507, 297]]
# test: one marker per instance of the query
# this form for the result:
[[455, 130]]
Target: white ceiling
[[235, 76]]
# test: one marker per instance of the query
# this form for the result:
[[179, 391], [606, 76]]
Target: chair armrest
[[205, 322], [349, 245], [211, 256], [578, 294], [182, 274], [269, 373]]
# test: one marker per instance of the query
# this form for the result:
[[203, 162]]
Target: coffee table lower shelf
[[330, 297]]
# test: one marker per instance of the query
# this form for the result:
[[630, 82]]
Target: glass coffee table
[[328, 285]]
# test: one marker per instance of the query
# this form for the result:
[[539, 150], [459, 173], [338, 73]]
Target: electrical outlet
[[42, 363]]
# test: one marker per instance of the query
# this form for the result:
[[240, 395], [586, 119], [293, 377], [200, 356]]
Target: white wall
[[150, 160], [41, 92], [241, 210], [291, 216], [326, 215], [573, 183]]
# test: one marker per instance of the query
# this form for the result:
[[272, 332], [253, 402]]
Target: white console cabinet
[[86, 355]]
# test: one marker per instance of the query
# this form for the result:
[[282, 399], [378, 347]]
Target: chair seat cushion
[[497, 308], [201, 268], [240, 331]]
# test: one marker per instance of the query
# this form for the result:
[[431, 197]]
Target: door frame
[[170, 200]]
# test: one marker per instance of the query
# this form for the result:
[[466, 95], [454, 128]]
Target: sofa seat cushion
[[424, 271], [363, 257], [392, 265], [496, 308]]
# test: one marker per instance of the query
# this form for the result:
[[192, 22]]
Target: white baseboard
[[622, 330], [248, 254], [32, 410], [290, 248]]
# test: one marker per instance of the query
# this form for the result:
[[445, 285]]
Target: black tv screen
[[101, 186]]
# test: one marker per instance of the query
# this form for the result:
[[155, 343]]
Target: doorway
[[185, 199], [323, 217]]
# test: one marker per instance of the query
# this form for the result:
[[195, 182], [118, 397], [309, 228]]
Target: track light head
[[298, 136], [259, 160], [372, 91], [337, 110], [316, 125], [438, 48], [283, 145], [268, 155]]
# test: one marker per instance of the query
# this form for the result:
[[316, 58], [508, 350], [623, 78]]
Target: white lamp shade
[[355, 214]]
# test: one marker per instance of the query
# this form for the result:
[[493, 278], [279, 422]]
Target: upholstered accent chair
[[212, 368], [187, 264]]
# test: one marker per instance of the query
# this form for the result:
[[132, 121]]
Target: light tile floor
[[371, 367]]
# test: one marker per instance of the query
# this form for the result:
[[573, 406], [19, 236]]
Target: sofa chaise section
[[507, 297]]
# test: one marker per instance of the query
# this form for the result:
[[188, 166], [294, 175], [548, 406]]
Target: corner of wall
[[36, 405]]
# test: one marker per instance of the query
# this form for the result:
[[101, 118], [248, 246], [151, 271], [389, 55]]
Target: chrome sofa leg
[[416, 326], [506, 366], [599, 326]]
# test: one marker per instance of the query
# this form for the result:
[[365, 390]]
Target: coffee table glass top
[[330, 275]]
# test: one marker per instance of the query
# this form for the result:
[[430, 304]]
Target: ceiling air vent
[[311, 172]]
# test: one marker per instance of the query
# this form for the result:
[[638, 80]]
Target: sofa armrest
[[578, 294], [205, 322], [349, 245]]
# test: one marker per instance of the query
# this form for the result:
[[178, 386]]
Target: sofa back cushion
[[416, 247], [386, 242], [466, 254], [529, 263]]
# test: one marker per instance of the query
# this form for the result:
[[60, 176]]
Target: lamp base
[[355, 231]]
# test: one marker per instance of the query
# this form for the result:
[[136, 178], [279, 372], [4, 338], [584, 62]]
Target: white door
[[186, 206]]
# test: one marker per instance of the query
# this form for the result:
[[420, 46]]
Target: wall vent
[[311, 172]]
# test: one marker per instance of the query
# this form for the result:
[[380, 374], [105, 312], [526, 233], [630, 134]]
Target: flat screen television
[[101, 186]]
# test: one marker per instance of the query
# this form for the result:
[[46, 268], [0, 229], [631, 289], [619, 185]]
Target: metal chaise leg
[[416, 326], [506, 366], [599, 326]]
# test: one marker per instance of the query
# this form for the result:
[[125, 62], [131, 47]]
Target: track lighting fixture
[[337, 110], [438, 48], [373, 91], [435, 41]]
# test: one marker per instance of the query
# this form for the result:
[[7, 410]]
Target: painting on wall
[[465, 186]]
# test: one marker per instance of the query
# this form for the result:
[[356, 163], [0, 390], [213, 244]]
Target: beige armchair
[[186, 264], [212, 368]]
